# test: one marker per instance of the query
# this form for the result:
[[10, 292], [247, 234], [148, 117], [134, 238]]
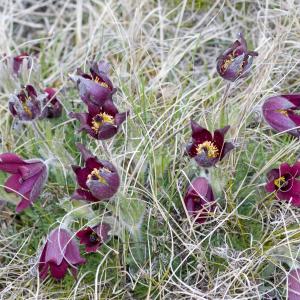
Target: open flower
[[284, 182], [27, 180], [280, 112], [101, 122], [293, 281], [199, 199], [208, 149], [236, 61], [93, 237], [26, 105], [98, 180], [94, 88], [52, 107], [59, 253]]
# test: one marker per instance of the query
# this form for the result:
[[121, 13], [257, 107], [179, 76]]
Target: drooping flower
[[101, 122], [27, 180], [293, 281], [94, 88], [19, 60], [26, 105], [52, 107], [59, 253], [280, 112], [98, 180], [93, 237], [285, 182], [236, 61], [208, 149], [199, 199]]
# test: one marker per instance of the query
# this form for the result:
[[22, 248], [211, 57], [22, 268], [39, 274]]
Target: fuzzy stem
[[223, 117]]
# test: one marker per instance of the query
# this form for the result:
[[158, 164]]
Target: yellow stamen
[[100, 119], [283, 112], [227, 62], [209, 147], [95, 174], [103, 84], [279, 182], [26, 107]]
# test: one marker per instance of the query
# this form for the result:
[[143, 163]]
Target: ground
[[163, 58]]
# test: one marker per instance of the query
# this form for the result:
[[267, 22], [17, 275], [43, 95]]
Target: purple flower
[[236, 61], [17, 62], [284, 182], [101, 122], [208, 149], [93, 237], [199, 199], [94, 88], [52, 107], [26, 105], [27, 180], [294, 284], [59, 253], [98, 180], [280, 112]]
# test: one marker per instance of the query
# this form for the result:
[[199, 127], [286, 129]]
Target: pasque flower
[[101, 122], [27, 179], [208, 149], [26, 105], [17, 62], [285, 182], [93, 237], [280, 112], [236, 61], [52, 107], [96, 87], [293, 282], [59, 253], [98, 179], [199, 199]]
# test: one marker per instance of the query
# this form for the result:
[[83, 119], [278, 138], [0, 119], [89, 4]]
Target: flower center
[[24, 100], [93, 237], [227, 62], [210, 148], [100, 119], [283, 112], [99, 81], [280, 182], [95, 175]]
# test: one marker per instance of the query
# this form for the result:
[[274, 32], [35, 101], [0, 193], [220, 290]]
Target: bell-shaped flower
[[281, 113], [199, 199], [285, 183], [19, 60], [59, 253], [26, 105], [98, 179], [93, 237], [94, 88], [236, 61], [27, 179], [208, 149], [52, 107], [101, 122]]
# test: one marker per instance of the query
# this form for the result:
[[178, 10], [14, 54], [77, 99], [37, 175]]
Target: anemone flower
[[52, 107]]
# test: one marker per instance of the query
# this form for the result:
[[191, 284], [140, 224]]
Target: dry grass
[[163, 57]]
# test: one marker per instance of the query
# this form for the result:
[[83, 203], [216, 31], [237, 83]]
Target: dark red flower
[[208, 149], [19, 60], [285, 183], [236, 61], [27, 180], [93, 237], [52, 107], [199, 199], [281, 113], [101, 122], [59, 253], [26, 105], [294, 284], [94, 88], [98, 180]]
